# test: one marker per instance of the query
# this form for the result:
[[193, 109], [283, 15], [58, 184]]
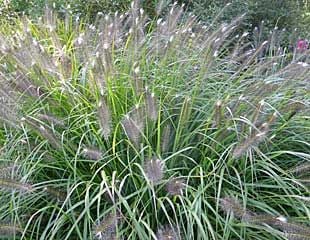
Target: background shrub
[[287, 14], [264, 15], [284, 14]]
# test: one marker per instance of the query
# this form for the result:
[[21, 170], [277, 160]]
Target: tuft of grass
[[132, 128]]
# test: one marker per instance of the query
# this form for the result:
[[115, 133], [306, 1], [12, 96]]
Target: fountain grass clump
[[133, 128]]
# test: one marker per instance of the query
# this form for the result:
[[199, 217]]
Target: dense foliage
[[288, 14], [133, 128]]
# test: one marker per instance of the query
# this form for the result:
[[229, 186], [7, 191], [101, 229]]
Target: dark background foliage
[[282, 13]]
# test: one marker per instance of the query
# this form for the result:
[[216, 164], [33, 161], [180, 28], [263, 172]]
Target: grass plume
[[168, 233], [92, 153], [11, 184], [104, 116], [10, 230], [133, 124], [106, 229], [154, 170], [175, 186]]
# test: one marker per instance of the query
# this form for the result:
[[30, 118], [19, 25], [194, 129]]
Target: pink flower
[[302, 45]]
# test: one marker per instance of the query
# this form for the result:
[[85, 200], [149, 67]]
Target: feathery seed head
[[218, 113], [154, 170], [9, 230], [166, 136], [131, 130], [292, 228], [251, 141], [231, 205], [49, 136], [92, 153], [105, 120], [168, 233], [57, 194], [106, 229], [261, 219], [51, 119], [11, 171], [151, 106], [301, 169], [175, 186], [295, 236], [12, 184], [133, 124]]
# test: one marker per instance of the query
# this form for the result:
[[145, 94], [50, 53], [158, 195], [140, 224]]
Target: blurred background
[[291, 15]]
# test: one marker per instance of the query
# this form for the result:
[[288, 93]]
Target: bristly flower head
[[51, 119], [151, 105], [301, 169], [106, 229], [9, 230], [252, 140], [296, 236], [92, 153], [154, 170], [175, 186], [60, 196], [10, 179], [293, 228], [11, 184], [168, 233], [10, 171], [104, 116], [133, 124], [231, 205], [165, 138]]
